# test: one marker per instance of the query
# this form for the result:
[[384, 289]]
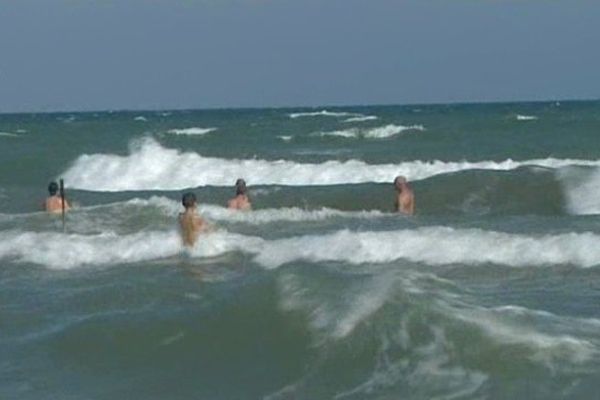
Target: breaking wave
[[581, 190], [381, 132], [436, 246], [150, 166]]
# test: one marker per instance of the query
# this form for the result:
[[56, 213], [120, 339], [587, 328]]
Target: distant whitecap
[[191, 131], [322, 113], [361, 118], [380, 132], [526, 117]]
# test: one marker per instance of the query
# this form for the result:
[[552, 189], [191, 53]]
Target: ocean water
[[491, 291]]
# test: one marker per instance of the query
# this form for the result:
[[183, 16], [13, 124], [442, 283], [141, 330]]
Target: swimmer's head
[[53, 188], [240, 187], [400, 182], [188, 200]]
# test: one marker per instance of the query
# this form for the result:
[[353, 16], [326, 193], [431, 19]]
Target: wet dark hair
[[53, 188], [188, 199], [240, 187], [398, 181]]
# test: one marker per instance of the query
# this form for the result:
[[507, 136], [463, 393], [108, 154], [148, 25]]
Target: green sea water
[[490, 291]]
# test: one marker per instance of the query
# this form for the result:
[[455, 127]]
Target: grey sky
[[94, 55]]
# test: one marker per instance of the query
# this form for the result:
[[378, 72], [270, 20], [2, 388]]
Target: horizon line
[[299, 107]]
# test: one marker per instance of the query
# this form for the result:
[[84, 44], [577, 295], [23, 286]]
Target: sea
[[490, 291]]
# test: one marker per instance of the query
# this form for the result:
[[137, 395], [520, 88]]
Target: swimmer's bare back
[[240, 202], [191, 225], [405, 202], [53, 204]]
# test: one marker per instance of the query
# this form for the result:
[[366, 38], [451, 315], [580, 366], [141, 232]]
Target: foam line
[[150, 166], [436, 246]]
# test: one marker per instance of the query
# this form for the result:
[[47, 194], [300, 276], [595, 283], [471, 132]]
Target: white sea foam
[[285, 138], [191, 131], [65, 251], [334, 315], [345, 133], [436, 246], [140, 118], [322, 113], [390, 130], [60, 251], [526, 117], [581, 190], [381, 132], [150, 166], [21, 130], [8, 134], [408, 357], [361, 118], [254, 217], [259, 217], [544, 348]]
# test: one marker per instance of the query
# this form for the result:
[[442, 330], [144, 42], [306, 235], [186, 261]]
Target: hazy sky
[[134, 54]]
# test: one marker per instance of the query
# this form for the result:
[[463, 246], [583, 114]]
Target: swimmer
[[241, 200], [54, 203], [405, 198], [190, 222]]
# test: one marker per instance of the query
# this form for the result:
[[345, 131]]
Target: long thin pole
[[62, 198]]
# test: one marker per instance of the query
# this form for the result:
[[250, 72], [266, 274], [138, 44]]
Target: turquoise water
[[490, 291]]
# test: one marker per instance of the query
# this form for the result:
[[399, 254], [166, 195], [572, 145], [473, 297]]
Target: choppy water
[[490, 291]]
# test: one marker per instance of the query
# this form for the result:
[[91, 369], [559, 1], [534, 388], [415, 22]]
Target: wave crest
[[150, 166]]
